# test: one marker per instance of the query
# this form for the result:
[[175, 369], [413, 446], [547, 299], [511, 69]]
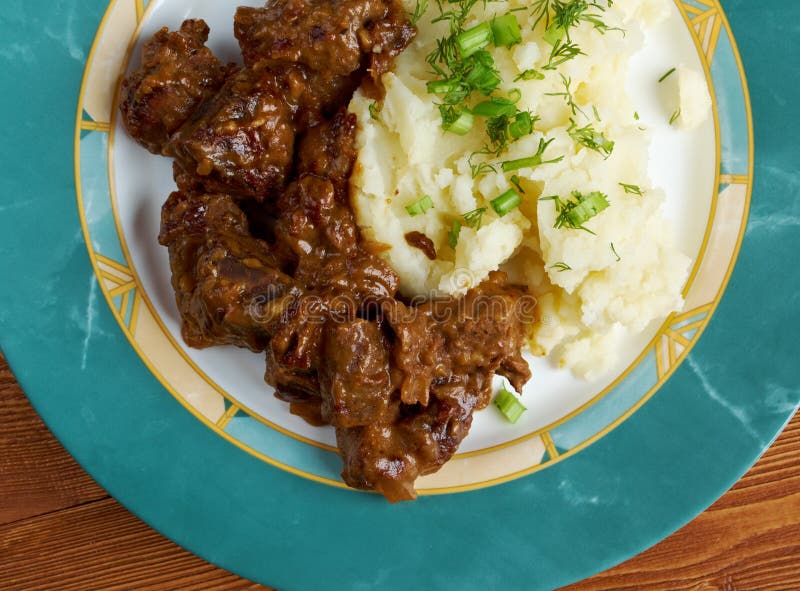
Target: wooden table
[[59, 531]]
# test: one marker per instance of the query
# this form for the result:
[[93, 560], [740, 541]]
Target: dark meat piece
[[355, 375], [328, 150], [324, 35], [241, 141], [446, 352], [227, 287], [178, 72], [320, 234]]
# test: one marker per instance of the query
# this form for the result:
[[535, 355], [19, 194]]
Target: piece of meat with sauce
[[241, 141], [228, 288], [177, 73], [329, 150], [324, 35], [445, 353]]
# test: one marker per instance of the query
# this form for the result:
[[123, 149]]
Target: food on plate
[[373, 198], [265, 252], [553, 129]]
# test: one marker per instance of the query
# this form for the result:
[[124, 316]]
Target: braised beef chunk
[[355, 375], [266, 254], [328, 150], [324, 35], [446, 353], [241, 141], [227, 287], [178, 72]]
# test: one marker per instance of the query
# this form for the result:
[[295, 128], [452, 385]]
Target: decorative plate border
[[220, 412]]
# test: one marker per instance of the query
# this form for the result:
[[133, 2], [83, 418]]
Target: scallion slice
[[442, 86], [506, 31], [521, 126], [587, 207], [420, 206], [509, 405], [471, 40], [506, 202], [452, 234], [553, 34], [458, 121], [494, 108], [483, 78]]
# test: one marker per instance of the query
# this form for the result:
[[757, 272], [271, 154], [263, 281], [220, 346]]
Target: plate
[[121, 189], [642, 480]]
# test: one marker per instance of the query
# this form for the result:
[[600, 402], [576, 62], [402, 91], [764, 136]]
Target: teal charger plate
[[642, 481]]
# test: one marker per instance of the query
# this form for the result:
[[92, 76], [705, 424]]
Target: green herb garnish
[[568, 97], [575, 212], [420, 206], [505, 202], [509, 405], [505, 30], [590, 138], [531, 161], [529, 75], [667, 75], [452, 234], [632, 189], [560, 267], [474, 218]]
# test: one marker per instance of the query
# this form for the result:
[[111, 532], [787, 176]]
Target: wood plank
[[36, 474], [101, 547]]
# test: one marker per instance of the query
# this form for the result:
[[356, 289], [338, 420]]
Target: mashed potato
[[593, 287]]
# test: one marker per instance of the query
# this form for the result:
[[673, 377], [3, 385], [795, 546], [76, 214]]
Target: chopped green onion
[[675, 116], [506, 31], [442, 86], [474, 218], [665, 76], [521, 126], [471, 40], [420, 206], [529, 75], [614, 250], [506, 202], [586, 207], [553, 34], [574, 213], [455, 120], [483, 78], [596, 113], [636, 115], [457, 95], [509, 405], [494, 108], [452, 234], [514, 95], [530, 161]]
